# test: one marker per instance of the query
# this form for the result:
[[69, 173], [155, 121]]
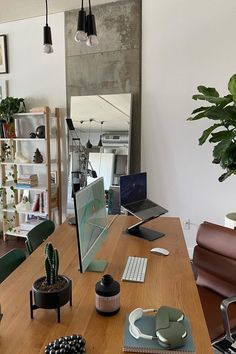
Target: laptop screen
[[133, 188]]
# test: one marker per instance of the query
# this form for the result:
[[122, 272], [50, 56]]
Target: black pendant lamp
[[47, 36], [92, 40], [88, 144], [86, 27], [81, 33], [100, 140]]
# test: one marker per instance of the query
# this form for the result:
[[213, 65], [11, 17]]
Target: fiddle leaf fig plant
[[221, 111], [11, 105]]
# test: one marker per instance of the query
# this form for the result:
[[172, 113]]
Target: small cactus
[[51, 264]]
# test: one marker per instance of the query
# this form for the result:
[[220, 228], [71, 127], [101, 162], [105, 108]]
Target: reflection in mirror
[[100, 138]]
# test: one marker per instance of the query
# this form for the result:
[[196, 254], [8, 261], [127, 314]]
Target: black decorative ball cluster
[[74, 344]]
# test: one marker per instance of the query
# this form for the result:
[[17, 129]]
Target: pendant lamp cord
[[90, 9], [82, 5], [46, 1]]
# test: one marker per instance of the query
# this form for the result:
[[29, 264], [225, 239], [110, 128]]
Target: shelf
[[23, 139], [11, 209], [36, 188], [30, 114], [50, 198], [23, 164], [25, 114], [17, 232]]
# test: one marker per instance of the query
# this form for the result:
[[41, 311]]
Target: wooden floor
[[12, 242]]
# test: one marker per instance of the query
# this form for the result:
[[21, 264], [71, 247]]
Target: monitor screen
[[133, 188], [91, 224]]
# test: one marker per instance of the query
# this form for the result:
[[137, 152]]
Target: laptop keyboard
[[141, 205], [135, 269]]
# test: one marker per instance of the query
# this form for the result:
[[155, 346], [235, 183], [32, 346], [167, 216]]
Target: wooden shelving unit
[[50, 147]]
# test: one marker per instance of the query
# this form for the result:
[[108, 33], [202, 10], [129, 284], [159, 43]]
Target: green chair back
[[10, 261], [38, 234]]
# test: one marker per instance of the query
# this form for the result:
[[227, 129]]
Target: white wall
[[185, 43], [37, 77], [33, 75]]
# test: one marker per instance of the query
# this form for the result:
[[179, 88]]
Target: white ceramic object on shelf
[[230, 220], [19, 158]]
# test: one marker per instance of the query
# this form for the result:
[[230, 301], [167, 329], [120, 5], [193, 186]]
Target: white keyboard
[[135, 269]]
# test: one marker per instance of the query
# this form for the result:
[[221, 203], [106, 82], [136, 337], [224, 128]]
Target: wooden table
[[169, 281]]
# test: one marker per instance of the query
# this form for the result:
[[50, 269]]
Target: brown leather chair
[[214, 262]]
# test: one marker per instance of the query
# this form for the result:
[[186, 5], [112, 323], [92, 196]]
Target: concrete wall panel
[[114, 66]]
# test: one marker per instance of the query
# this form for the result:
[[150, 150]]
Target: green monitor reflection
[[91, 225]]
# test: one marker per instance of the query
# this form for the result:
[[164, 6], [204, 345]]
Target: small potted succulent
[[51, 291]]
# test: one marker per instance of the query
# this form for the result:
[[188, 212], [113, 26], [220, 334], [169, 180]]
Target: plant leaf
[[223, 134], [218, 113], [208, 91], [220, 149], [200, 109], [206, 133], [232, 85], [216, 100], [225, 175], [198, 116]]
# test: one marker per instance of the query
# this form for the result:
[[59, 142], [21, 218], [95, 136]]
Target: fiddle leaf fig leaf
[[232, 85], [198, 116], [208, 91], [225, 175], [223, 134], [200, 109], [220, 149], [207, 132], [216, 100]]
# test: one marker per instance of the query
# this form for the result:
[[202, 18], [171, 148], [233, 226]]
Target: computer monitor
[[91, 225]]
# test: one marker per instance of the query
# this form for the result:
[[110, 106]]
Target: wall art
[[3, 54]]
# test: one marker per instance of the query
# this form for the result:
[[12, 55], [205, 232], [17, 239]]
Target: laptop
[[133, 197]]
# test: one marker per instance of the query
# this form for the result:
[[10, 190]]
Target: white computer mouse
[[158, 250]]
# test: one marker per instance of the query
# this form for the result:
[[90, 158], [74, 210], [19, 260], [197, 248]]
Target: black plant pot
[[50, 299]]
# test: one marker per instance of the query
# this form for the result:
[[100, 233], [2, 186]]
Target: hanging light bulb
[[92, 40], [81, 35], [89, 145], [100, 140], [47, 36], [80, 130]]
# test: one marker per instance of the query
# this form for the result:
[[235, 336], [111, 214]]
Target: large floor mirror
[[100, 142]]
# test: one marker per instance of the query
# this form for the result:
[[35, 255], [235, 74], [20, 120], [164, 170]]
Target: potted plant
[[8, 107], [51, 291], [221, 111]]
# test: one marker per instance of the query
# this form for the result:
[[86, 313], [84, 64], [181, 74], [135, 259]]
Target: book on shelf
[[29, 225], [40, 203], [29, 176], [2, 135], [36, 202], [146, 324], [31, 217], [25, 185], [28, 180]]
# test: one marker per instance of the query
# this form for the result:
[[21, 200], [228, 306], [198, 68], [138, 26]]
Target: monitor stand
[[143, 232], [97, 266]]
